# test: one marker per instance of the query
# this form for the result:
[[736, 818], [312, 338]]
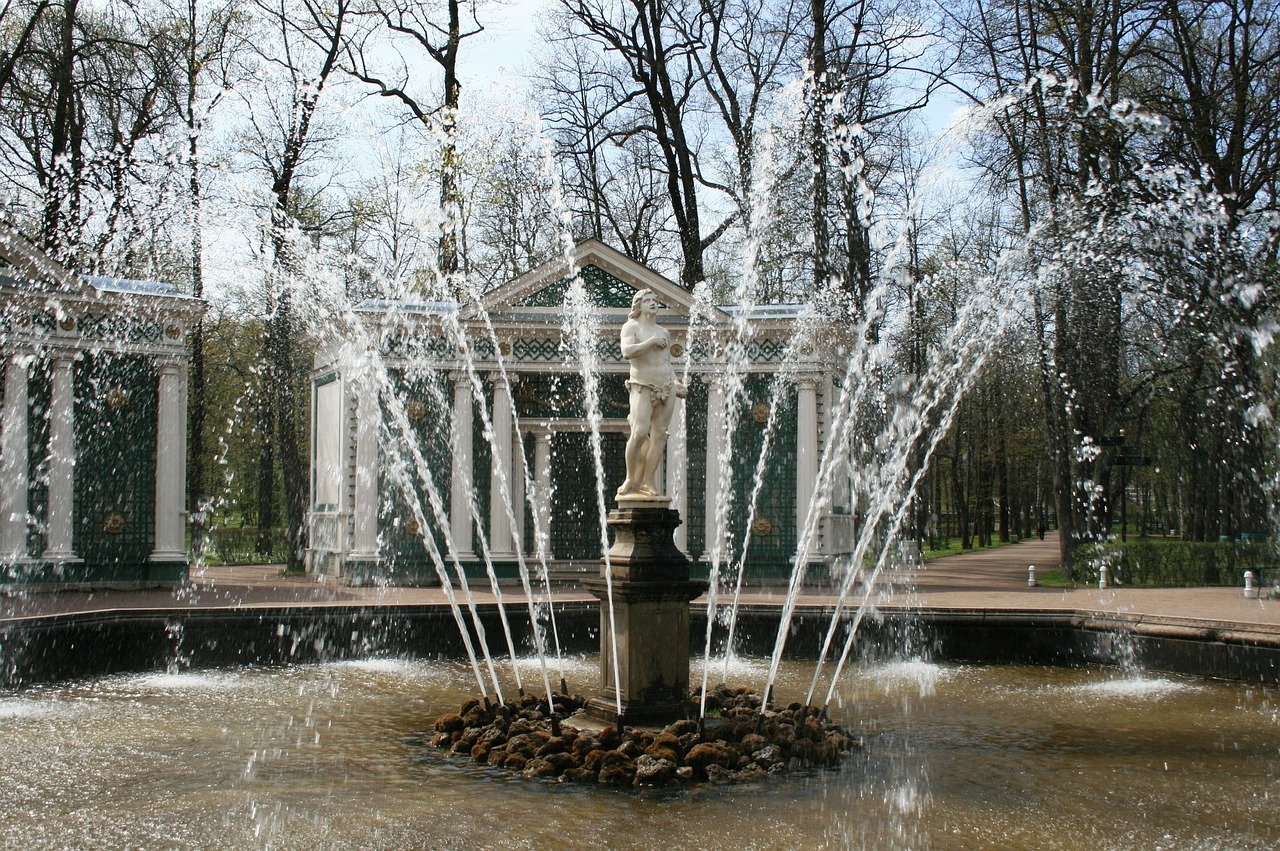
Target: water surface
[[330, 756]]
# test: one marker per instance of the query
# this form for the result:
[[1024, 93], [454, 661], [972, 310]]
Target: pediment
[[28, 266], [610, 277]]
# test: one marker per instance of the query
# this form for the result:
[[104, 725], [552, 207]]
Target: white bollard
[[1102, 576], [1250, 590], [1031, 575]]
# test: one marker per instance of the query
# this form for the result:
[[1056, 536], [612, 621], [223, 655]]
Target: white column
[[500, 471], [460, 473], [62, 461], [715, 439], [677, 474], [806, 446], [542, 480], [364, 511], [13, 462], [171, 462]]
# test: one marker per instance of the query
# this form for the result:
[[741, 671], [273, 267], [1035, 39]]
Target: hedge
[[1164, 562]]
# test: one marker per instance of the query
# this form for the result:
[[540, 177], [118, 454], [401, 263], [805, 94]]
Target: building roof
[[611, 278], [27, 267]]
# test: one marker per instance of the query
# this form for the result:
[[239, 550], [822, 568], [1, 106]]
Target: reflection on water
[[328, 756]]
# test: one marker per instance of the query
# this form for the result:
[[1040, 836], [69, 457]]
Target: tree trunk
[[450, 194], [820, 93], [197, 400]]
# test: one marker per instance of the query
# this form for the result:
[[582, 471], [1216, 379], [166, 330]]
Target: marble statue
[[653, 389]]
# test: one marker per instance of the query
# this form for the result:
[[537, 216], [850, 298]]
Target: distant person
[[1040, 530], [653, 389]]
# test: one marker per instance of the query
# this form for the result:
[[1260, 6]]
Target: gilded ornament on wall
[[416, 409], [411, 526], [113, 523], [760, 412], [761, 526], [117, 398]]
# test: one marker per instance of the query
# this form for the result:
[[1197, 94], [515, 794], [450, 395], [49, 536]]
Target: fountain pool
[[334, 756]]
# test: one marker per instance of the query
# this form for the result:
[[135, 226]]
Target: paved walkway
[[992, 580], [996, 579]]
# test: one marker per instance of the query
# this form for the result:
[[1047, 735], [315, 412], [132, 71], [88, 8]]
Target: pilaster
[[715, 440], [500, 471], [14, 461], [678, 472], [171, 461], [542, 497], [460, 473], [62, 460], [364, 510], [807, 446]]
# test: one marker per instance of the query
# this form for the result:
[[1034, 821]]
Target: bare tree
[[657, 52], [612, 182], [18, 20], [308, 39], [1215, 71], [745, 56], [441, 41], [870, 69], [212, 41], [513, 225], [1059, 154], [383, 237], [87, 100]]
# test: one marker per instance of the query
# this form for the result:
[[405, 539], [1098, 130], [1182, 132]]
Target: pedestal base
[[650, 625], [648, 620], [605, 710]]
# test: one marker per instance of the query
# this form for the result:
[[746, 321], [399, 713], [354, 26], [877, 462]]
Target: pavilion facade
[[403, 448], [93, 438]]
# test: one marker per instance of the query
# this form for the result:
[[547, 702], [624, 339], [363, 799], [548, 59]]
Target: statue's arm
[[631, 345], [628, 343]]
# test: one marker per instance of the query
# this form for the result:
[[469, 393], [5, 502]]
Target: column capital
[[170, 363], [16, 356]]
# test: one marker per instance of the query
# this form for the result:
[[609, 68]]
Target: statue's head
[[638, 299]]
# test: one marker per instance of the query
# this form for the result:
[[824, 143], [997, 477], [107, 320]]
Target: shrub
[[232, 545]]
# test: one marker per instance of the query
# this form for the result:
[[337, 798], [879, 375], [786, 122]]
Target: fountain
[[355, 734], [358, 730]]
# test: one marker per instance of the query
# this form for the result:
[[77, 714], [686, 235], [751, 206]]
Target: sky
[[508, 43]]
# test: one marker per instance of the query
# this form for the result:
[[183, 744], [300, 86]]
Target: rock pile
[[737, 743]]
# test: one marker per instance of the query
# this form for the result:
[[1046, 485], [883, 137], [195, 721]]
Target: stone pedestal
[[651, 594]]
